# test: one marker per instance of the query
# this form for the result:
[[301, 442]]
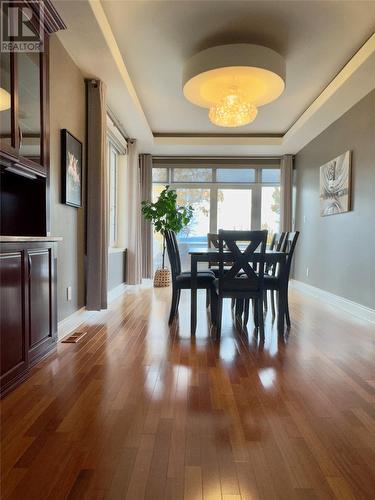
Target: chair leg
[[178, 301], [233, 303], [246, 312], [265, 300], [255, 313], [174, 303], [273, 303], [213, 306], [239, 308], [280, 312], [219, 315], [287, 315], [260, 314]]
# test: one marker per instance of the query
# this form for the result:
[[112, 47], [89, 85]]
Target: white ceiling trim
[[219, 140], [109, 37], [363, 54]]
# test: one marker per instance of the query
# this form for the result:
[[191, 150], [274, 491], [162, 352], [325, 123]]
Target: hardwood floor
[[140, 411]]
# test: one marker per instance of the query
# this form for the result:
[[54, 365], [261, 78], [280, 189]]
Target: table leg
[[193, 305]]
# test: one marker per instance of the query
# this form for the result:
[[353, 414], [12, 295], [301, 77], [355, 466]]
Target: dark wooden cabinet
[[24, 128], [28, 321], [42, 298], [14, 324], [28, 307], [24, 124]]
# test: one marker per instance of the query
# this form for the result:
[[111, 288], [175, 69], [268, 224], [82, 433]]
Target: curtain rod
[[118, 125]]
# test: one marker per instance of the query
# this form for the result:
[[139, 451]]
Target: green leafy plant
[[166, 214]]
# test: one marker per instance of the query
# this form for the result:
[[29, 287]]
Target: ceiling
[[148, 43], [156, 38]]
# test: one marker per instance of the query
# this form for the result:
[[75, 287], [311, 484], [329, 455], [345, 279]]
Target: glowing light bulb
[[232, 111]]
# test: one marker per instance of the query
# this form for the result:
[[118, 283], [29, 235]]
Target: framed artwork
[[71, 169], [335, 185]]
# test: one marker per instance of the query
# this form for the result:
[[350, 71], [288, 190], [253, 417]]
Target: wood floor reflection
[[140, 411]]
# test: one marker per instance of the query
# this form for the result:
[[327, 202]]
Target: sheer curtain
[[286, 182], [133, 216], [145, 166], [97, 197]]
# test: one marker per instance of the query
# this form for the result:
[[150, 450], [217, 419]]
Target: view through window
[[223, 198], [113, 154]]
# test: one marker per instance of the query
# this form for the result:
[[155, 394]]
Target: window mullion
[[213, 209], [256, 206]]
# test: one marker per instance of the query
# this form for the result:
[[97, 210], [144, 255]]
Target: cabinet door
[[8, 142], [42, 331], [14, 352]]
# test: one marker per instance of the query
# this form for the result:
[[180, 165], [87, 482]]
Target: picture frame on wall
[[335, 185], [71, 169]]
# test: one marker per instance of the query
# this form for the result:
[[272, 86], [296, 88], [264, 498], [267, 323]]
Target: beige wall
[[67, 110], [339, 250]]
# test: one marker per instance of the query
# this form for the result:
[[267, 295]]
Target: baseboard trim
[[67, 325], [347, 305]]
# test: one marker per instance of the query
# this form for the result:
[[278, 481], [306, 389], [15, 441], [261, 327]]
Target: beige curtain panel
[[145, 170], [97, 197], [133, 216], [286, 181]]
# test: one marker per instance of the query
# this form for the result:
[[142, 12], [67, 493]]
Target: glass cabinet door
[[29, 105], [7, 141], [21, 106]]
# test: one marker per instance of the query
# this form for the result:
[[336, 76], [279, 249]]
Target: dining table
[[205, 254]]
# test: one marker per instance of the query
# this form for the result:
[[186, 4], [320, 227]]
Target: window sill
[[116, 250]]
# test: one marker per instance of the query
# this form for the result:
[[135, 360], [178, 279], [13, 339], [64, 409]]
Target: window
[[192, 174], [224, 197], [270, 211], [271, 175], [229, 216], [113, 154], [235, 175], [117, 165], [160, 175]]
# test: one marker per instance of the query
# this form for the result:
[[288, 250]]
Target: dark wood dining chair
[[244, 279], [277, 243], [272, 244], [272, 281], [213, 242], [182, 280]]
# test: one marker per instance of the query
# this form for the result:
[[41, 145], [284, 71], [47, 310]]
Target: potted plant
[[166, 214]]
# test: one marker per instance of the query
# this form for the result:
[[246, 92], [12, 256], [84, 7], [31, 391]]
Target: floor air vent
[[74, 338]]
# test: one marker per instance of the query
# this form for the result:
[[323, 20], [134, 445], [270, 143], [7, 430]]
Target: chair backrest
[[279, 241], [289, 246], [173, 253], [240, 257], [273, 241], [212, 240]]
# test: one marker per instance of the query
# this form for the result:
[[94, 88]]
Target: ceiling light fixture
[[232, 81], [4, 99]]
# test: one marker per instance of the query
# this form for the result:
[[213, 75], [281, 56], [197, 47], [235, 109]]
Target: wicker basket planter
[[162, 278]]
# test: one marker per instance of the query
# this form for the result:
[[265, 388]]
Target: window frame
[[214, 187]]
